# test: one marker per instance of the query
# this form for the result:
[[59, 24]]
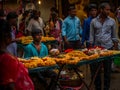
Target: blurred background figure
[[12, 20], [81, 13], [14, 75], [23, 22], [35, 22], [71, 30], [118, 18], [2, 14], [55, 26], [92, 13]]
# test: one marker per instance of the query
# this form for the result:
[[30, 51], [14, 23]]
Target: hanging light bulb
[[39, 2]]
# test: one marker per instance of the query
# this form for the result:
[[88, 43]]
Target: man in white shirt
[[36, 22]]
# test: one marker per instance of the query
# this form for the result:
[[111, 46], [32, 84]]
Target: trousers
[[107, 74]]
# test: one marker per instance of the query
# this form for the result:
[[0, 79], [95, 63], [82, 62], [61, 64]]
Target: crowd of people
[[99, 29]]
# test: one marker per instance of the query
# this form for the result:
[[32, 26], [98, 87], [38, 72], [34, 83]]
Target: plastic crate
[[117, 61]]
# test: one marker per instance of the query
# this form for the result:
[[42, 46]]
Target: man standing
[[71, 30], [103, 33], [35, 22], [92, 12], [12, 21]]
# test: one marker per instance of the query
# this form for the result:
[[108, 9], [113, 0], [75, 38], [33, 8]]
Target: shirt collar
[[98, 17], [90, 17], [71, 17], [33, 44]]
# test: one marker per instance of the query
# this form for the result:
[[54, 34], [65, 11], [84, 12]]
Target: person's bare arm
[[114, 37], [65, 40]]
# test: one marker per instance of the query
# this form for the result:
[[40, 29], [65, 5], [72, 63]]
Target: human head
[[54, 16], [53, 9], [104, 9], [12, 18], [92, 9], [2, 14], [35, 14], [37, 35], [72, 10], [5, 34], [26, 13]]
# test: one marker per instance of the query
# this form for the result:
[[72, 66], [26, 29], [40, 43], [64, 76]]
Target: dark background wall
[[113, 3]]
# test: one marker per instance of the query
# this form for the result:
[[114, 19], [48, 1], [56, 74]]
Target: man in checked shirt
[[103, 33]]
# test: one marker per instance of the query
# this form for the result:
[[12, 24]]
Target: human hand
[[66, 42], [82, 46], [17, 40], [115, 46]]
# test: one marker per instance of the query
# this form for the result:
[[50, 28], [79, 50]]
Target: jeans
[[73, 45], [107, 74]]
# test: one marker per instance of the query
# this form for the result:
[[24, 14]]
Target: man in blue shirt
[[71, 30], [36, 48], [92, 12]]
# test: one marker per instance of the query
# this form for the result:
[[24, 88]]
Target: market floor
[[115, 79], [115, 82]]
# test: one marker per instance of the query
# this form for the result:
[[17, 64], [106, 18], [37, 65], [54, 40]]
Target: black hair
[[34, 13], [53, 15], [92, 6], [2, 13], [36, 31], [5, 31], [25, 13], [103, 5], [53, 9], [11, 15], [71, 7]]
